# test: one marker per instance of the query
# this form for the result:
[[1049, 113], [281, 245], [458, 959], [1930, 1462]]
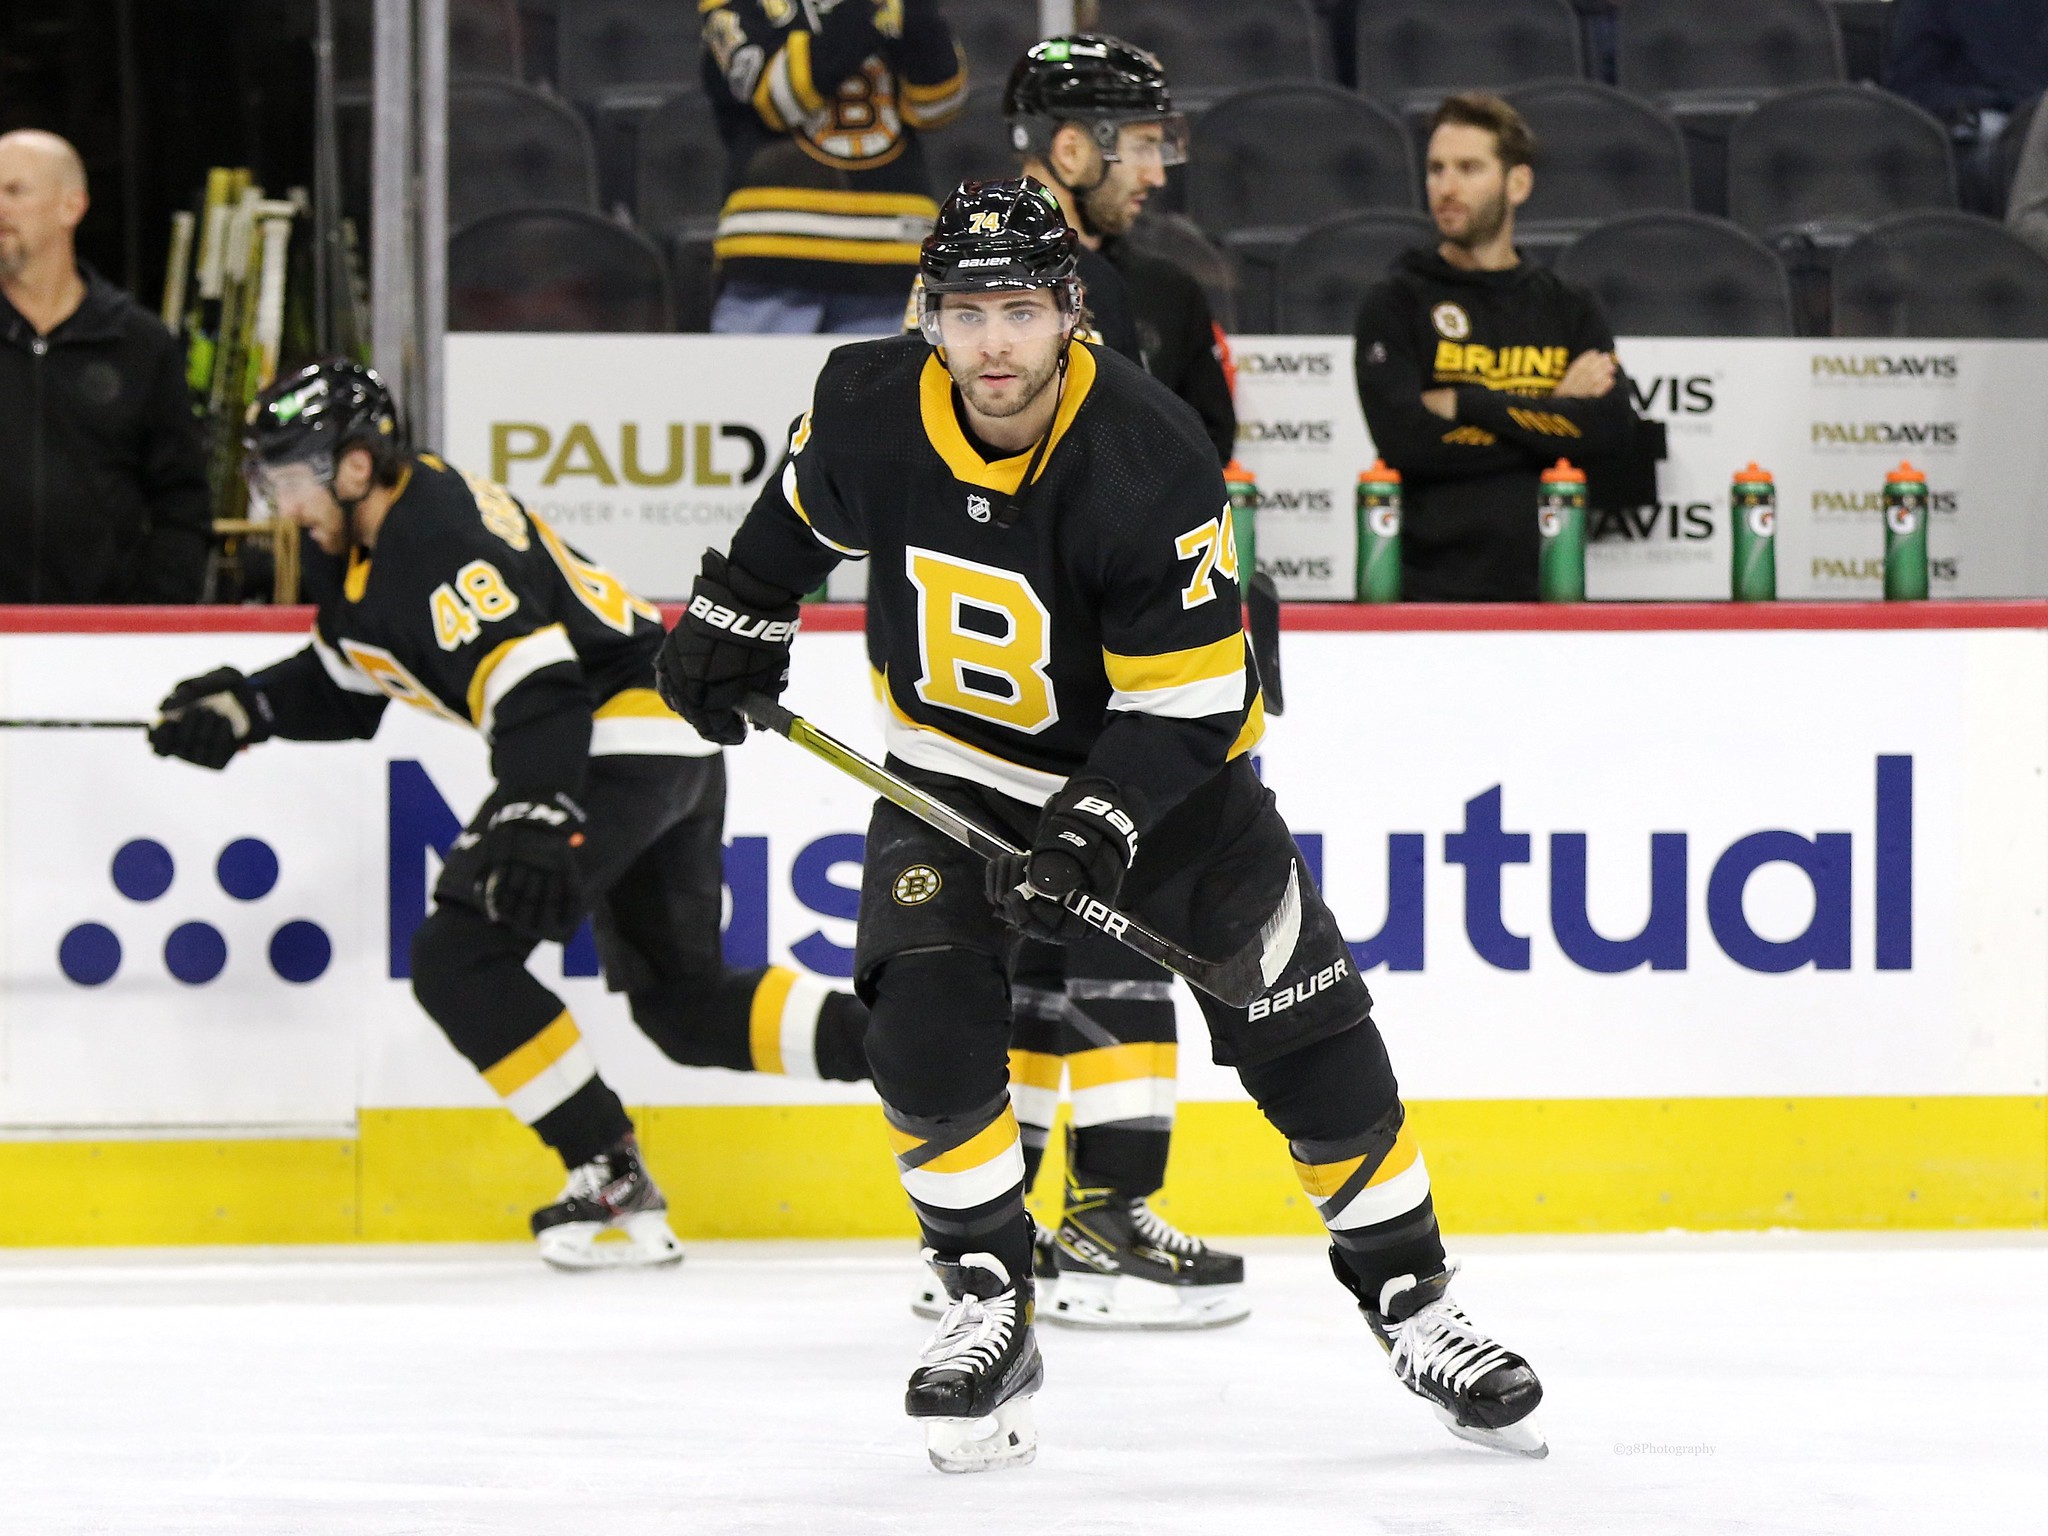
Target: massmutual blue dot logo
[[195, 952]]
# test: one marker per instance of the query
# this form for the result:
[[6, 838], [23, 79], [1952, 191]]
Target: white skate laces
[[1439, 1341], [1159, 1233], [973, 1333]]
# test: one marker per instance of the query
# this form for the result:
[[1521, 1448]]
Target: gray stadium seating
[[555, 269], [1681, 274], [1290, 156], [974, 146], [1941, 274], [1828, 159], [1685, 52], [512, 145], [1321, 276], [1599, 153], [1213, 47], [1411, 53]]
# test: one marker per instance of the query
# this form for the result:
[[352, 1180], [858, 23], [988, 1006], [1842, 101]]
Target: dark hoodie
[[102, 473], [1501, 340]]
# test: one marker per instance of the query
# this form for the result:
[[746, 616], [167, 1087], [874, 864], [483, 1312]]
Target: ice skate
[[974, 1381], [1121, 1265], [610, 1216], [930, 1299], [1483, 1392]]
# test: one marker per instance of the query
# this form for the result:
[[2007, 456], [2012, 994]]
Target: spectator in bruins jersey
[[1477, 370], [820, 104], [1093, 119], [1054, 584], [438, 589]]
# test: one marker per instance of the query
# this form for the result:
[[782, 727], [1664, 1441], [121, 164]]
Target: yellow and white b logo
[[916, 885]]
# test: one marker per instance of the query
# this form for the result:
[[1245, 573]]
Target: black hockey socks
[[772, 1020], [965, 1179]]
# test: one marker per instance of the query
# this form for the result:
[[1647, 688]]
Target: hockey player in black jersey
[[1054, 580], [438, 589]]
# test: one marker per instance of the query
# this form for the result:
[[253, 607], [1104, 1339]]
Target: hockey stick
[[76, 725], [1235, 980]]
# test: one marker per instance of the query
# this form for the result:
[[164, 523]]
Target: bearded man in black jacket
[[1477, 370], [102, 473]]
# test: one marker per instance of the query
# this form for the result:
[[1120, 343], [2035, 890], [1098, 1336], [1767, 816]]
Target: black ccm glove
[[525, 865], [1085, 842], [732, 640], [207, 720]]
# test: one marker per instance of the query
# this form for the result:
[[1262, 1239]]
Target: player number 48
[[461, 609]]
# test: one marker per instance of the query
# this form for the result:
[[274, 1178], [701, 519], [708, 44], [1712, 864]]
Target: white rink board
[[1716, 736], [644, 449]]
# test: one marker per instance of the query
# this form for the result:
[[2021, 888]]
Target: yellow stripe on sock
[[1399, 1159], [1036, 1069], [764, 1022], [1123, 1063], [990, 1143], [520, 1067]]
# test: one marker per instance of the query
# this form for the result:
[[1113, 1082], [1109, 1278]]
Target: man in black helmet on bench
[[1056, 607]]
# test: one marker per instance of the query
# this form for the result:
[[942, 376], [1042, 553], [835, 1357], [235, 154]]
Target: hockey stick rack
[[1235, 980]]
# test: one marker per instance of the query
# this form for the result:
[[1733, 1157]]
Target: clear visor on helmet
[[1138, 141], [285, 484], [1000, 316]]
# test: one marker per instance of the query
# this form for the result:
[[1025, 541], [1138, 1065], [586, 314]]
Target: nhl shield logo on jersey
[[978, 508], [1451, 321], [916, 885]]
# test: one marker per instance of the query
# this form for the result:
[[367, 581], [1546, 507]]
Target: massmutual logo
[[194, 952], [1297, 365], [584, 455], [1286, 433], [1857, 503], [1889, 367], [1923, 435]]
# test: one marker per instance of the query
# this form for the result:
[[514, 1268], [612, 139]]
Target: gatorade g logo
[[1902, 518], [1451, 321], [1763, 521], [1383, 522], [1550, 520], [916, 886]]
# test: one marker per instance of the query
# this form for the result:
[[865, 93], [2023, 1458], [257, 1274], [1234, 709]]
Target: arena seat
[[512, 145], [1683, 53], [2005, 155], [1289, 156], [680, 165], [994, 35], [1670, 273], [1321, 276], [602, 46], [1177, 238], [1941, 274], [1412, 53], [1212, 48], [974, 146], [1826, 160], [1600, 153], [555, 269]]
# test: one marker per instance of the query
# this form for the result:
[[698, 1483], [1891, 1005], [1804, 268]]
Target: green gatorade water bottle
[[1379, 534], [1561, 523], [1243, 488], [1905, 533], [1753, 517]]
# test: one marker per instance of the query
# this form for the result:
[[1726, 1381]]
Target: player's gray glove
[[732, 640], [526, 867], [208, 719], [1085, 841]]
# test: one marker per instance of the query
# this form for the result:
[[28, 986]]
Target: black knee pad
[[938, 1036], [1332, 1089], [447, 951]]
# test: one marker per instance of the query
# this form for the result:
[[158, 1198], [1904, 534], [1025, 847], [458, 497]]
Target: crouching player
[[438, 589]]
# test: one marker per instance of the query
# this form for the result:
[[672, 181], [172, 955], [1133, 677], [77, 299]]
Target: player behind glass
[[1054, 579], [438, 589]]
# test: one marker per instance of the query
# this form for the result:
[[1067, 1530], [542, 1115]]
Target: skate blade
[[1126, 1302], [641, 1241], [1522, 1438], [1006, 1438]]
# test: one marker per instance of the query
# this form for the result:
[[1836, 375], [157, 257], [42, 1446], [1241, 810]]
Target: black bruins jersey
[[1101, 630], [820, 106], [474, 610]]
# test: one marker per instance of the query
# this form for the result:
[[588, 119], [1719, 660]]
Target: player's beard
[[13, 256], [1032, 382], [1485, 222], [1106, 209]]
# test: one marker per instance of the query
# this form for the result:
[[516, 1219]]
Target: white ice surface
[[1774, 1384]]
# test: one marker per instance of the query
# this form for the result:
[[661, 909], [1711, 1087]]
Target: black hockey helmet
[[996, 235], [314, 415], [1098, 82]]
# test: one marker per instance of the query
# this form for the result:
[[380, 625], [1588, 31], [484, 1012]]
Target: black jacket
[[1179, 338], [1501, 340], [102, 471]]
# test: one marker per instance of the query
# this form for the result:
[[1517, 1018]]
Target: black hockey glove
[[732, 640], [207, 720], [1085, 842], [526, 867]]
